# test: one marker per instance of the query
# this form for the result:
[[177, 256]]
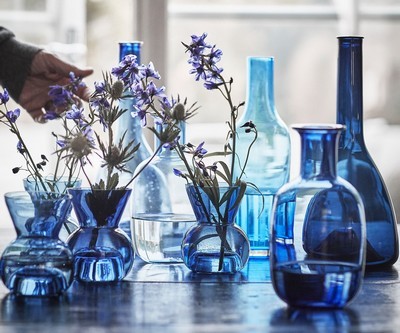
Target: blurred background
[[300, 34]]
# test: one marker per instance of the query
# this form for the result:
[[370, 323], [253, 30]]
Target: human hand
[[47, 70]]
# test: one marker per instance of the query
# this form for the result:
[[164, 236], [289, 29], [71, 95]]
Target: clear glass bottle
[[268, 165], [132, 128], [161, 211], [318, 232], [355, 163]]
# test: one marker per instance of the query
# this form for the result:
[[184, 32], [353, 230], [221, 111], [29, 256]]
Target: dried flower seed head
[[114, 158], [80, 146], [117, 89], [179, 112]]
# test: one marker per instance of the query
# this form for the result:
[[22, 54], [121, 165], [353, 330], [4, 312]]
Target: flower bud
[[178, 112], [117, 89]]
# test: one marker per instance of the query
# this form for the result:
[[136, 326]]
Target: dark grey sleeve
[[15, 62]]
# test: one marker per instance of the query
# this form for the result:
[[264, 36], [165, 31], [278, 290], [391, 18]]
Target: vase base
[[209, 263], [37, 282], [99, 266]]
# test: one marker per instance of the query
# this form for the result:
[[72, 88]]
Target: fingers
[[57, 65]]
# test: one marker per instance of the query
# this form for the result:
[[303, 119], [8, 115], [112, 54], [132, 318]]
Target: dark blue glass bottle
[[318, 228], [355, 163], [132, 128]]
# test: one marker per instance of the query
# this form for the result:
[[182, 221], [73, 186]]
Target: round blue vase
[[318, 232], [215, 244], [37, 263], [102, 252]]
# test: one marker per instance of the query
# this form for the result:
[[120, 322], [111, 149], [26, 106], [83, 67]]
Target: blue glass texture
[[60, 185], [102, 252], [37, 263], [215, 233], [355, 163], [268, 164], [318, 228]]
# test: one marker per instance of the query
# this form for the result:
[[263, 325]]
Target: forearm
[[15, 62]]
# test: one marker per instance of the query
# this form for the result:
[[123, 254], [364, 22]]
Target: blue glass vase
[[161, 209], [215, 244], [318, 228], [60, 185], [130, 129], [102, 252], [268, 164], [355, 163], [37, 263]]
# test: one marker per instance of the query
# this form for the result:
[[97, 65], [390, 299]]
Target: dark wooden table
[[169, 298]]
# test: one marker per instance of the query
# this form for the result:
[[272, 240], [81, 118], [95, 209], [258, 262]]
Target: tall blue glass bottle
[[133, 129], [356, 164], [268, 165]]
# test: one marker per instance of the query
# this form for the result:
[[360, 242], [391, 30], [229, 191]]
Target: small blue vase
[[355, 163], [102, 252], [37, 263], [215, 244], [268, 163], [318, 232]]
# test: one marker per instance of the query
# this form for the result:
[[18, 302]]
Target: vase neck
[[260, 102], [319, 146], [350, 91]]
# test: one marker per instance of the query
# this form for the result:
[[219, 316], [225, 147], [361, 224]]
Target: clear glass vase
[[37, 263], [268, 164], [102, 252], [161, 209], [215, 244], [60, 185], [355, 163], [318, 228]]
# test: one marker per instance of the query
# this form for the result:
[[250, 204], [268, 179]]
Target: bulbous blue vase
[[37, 263], [215, 244], [318, 231], [102, 252]]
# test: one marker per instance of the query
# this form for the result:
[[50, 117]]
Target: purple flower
[[153, 91], [198, 44], [51, 115], [151, 72], [4, 97], [13, 115], [76, 82], [178, 173], [20, 147], [200, 151], [61, 143], [128, 70], [59, 95], [99, 87], [75, 113], [141, 114]]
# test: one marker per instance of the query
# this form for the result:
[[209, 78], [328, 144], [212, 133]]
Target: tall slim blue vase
[[268, 165], [355, 163]]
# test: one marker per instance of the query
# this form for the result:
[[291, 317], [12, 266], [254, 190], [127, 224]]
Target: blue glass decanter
[[161, 209], [132, 128], [268, 164], [37, 263], [318, 232], [355, 163]]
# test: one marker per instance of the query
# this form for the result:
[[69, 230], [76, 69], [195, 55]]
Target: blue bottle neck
[[126, 48], [260, 102], [350, 92], [319, 146]]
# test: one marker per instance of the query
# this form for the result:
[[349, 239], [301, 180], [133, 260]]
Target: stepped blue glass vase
[[37, 263], [318, 232], [161, 209], [355, 163], [268, 164], [102, 251], [215, 244], [60, 185], [130, 129]]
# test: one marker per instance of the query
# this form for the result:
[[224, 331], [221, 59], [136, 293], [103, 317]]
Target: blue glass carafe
[[318, 232], [268, 164], [161, 210], [355, 163], [131, 128]]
